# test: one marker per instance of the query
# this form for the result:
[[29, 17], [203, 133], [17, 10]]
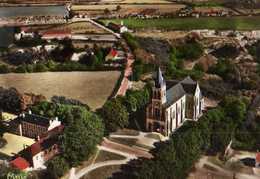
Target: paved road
[[127, 73]]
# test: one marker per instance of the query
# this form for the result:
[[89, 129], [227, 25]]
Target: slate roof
[[174, 93], [34, 119], [189, 85]]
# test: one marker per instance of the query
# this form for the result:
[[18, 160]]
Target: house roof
[[20, 163], [56, 33], [113, 52], [257, 158], [114, 26], [45, 142], [34, 119], [27, 29]]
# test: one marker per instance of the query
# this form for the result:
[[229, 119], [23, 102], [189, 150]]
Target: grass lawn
[[219, 23], [106, 156], [124, 141], [153, 136], [130, 132], [103, 172]]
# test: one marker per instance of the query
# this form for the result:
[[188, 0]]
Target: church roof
[[188, 80], [189, 85], [174, 93]]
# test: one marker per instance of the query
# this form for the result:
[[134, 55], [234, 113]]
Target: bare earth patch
[[92, 88]]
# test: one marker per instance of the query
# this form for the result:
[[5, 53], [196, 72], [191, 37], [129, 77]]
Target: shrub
[[4, 69], [57, 167], [21, 69], [131, 40], [39, 67]]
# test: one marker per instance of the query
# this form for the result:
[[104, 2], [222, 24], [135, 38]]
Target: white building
[[173, 104]]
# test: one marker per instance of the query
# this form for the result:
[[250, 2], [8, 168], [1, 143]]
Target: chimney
[[23, 115], [122, 23], [56, 119], [30, 112]]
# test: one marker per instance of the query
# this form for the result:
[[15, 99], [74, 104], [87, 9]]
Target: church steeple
[[159, 80], [159, 90]]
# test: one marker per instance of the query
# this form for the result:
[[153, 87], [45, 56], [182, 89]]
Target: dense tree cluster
[[68, 101], [140, 68], [121, 111], [190, 50], [131, 41], [224, 68], [175, 65], [10, 100], [57, 167]]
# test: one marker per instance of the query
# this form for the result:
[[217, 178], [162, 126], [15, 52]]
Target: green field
[[218, 23]]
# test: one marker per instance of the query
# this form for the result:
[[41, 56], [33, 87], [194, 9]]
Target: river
[[8, 12]]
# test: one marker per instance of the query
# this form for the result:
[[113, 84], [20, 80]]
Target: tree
[[80, 137], [4, 69], [114, 114], [235, 108], [118, 8], [107, 11], [57, 167], [10, 100]]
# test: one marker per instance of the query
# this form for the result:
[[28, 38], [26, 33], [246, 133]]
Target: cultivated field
[[137, 1], [219, 23], [92, 88], [128, 8], [75, 28]]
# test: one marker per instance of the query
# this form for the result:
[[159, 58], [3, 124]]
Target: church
[[172, 104]]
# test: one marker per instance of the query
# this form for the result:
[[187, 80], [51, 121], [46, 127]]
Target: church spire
[[159, 80]]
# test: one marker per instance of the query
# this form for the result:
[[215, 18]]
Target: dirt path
[[92, 167], [109, 146]]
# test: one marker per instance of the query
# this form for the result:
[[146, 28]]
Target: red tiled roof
[[257, 158], [113, 52], [57, 32], [35, 148], [26, 29], [20, 163]]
